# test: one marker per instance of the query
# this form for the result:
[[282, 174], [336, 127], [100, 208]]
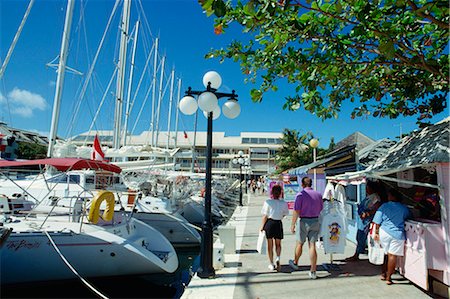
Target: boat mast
[[172, 79], [60, 79], [176, 123], [121, 73], [130, 80], [155, 70], [158, 109]]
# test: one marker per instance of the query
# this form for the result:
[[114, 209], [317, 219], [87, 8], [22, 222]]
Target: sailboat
[[40, 244]]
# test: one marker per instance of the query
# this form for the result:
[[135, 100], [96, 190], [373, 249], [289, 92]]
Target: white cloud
[[23, 102], [22, 111]]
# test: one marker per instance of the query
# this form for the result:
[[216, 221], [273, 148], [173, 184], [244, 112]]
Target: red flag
[[97, 153], [185, 134]]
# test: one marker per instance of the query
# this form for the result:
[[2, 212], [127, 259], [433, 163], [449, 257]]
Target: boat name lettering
[[16, 245]]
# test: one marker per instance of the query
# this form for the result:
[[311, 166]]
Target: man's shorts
[[391, 245], [308, 229]]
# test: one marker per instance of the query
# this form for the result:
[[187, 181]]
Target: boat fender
[[94, 212]]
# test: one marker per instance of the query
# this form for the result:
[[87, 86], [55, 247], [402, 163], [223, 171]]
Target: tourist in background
[[390, 231], [273, 211], [307, 208], [366, 211]]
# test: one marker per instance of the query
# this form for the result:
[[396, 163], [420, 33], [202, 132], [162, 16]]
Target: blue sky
[[186, 35]]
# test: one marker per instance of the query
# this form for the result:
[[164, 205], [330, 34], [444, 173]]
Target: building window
[[245, 140], [253, 140]]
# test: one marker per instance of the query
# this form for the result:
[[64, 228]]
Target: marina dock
[[246, 275]]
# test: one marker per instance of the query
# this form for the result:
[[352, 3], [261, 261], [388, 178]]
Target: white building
[[259, 147]]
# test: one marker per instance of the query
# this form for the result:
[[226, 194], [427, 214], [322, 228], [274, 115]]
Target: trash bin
[[227, 235], [218, 259]]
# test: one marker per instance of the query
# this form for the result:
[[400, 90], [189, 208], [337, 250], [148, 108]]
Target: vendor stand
[[418, 167]]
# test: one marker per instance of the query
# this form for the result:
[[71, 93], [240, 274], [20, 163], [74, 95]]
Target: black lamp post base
[[206, 273]]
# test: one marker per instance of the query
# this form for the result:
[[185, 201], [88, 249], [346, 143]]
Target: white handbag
[[261, 245]]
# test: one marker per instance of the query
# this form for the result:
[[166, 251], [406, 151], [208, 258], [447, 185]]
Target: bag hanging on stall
[[376, 252], [261, 245]]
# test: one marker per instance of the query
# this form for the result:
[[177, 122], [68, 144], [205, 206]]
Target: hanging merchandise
[[329, 194], [333, 227], [340, 193], [407, 175]]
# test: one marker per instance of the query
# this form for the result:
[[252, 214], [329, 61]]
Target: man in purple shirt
[[307, 208]]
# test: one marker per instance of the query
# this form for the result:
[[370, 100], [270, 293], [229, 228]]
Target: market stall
[[418, 167]]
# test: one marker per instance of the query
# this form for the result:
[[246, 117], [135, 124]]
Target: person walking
[[366, 211], [273, 211], [390, 231], [307, 208]]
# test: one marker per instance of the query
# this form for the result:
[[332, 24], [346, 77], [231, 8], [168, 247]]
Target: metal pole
[[60, 78], [121, 73], [206, 269], [315, 183], [240, 185], [193, 143]]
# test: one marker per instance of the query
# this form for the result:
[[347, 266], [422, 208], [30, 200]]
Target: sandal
[[389, 282], [383, 276]]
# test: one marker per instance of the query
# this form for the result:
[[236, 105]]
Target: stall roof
[[428, 146], [63, 164], [304, 168], [371, 153]]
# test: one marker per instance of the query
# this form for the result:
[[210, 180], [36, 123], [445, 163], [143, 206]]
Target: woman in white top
[[273, 211]]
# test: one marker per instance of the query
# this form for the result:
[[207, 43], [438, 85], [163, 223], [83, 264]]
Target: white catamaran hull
[[28, 256]]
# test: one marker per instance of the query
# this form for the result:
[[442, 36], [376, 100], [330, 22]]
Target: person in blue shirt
[[390, 231], [366, 211]]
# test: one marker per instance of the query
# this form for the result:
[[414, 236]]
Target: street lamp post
[[208, 103], [239, 160], [314, 143]]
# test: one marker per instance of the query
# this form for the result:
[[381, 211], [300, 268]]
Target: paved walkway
[[246, 275]]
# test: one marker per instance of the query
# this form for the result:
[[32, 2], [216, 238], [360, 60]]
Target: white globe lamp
[[212, 77], [314, 143], [207, 101], [188, 105], [240, 153], [231, 109], [216, 113]]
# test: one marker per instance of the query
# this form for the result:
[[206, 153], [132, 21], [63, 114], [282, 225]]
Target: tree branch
[[441, 24]]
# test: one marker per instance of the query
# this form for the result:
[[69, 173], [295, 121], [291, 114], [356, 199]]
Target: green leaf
[[219, 8], [387, 49], [338, 7]]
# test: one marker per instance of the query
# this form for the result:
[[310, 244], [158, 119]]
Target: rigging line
[[100, 106], [145, 18], [141, 79], [91, 69], [72, 268], [142, 108], [16, 38]]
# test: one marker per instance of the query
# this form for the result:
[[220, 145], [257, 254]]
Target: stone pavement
[[246, 275]]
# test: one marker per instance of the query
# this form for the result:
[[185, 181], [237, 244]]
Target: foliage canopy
[[389, 57]]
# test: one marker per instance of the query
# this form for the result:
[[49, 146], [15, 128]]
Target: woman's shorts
[[391, 245], [274, 229]]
